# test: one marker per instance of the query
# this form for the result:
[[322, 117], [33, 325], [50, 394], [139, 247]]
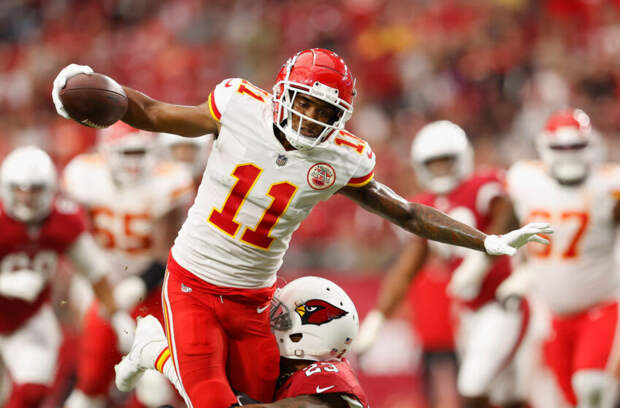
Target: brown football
[[94, 100]]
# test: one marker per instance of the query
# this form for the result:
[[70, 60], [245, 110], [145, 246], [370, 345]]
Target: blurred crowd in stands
[[495, 67]]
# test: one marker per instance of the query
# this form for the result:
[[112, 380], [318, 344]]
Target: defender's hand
[[368, 331], [63, 76], [515, 286], [23, 284], [509, 243]]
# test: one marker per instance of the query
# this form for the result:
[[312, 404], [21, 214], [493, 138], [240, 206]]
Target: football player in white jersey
[[275, 156], [37, 228], [136, 206], [574, 276]]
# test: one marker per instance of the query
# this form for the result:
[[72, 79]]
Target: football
[[94, 100]]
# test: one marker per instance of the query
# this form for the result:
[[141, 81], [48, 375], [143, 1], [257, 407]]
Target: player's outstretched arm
[[149, 114], [432, 224], [419, 219], [145, 112]]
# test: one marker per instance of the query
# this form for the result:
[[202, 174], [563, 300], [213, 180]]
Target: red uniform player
[[314, 321], [487, 335], [37, 229]]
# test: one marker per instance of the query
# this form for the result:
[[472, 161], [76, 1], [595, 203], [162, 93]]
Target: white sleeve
[[88, 258], [365, 170], [221, 96]]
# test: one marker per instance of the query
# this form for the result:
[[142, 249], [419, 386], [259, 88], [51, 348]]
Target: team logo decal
[[321, 176], [317, 312]]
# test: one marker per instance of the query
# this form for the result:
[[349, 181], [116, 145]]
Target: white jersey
[[254, 194], [576, 270], [123, 218]]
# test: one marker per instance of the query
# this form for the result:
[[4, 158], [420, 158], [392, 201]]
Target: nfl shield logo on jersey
[[281, 160], [321, 176]]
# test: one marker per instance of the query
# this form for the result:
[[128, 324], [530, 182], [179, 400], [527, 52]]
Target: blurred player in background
[[575, 276], [488, 336], [192, 152], [310, 317], [136, 206], [275, 157], [37, 228]]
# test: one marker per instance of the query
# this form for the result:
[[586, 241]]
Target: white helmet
[[197, 161], [568, 146], [313, 319], [438, 140], [28, 169], [129, 153]]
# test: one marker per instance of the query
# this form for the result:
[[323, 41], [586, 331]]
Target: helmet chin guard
[[318, 73]]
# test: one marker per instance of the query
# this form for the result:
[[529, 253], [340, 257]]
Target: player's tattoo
[[419, 219]]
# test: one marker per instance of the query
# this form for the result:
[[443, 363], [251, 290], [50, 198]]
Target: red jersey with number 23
[[325, 377], [37, 249]]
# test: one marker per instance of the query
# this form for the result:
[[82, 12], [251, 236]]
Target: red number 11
[[224, 219]]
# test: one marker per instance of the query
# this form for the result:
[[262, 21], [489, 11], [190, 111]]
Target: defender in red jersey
[[37, 229], [274, 158], [314, 322], [487, 336]]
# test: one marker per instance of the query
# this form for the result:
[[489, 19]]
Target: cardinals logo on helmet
[[317, 312]]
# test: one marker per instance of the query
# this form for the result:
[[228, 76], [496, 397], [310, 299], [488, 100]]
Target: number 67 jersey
[[254, 194], [576, 270]]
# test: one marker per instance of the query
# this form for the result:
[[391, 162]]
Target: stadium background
[[495, 67]]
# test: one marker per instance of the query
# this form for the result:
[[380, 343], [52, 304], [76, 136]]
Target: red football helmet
[[318, 73], [568, 145], [128, 152]]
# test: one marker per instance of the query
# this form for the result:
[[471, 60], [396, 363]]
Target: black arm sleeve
[[153, 275]]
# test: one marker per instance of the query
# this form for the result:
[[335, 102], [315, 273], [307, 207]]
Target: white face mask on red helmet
[[31, 170], [568, 146], [313, 319], [129, 153], [436, 140], [318, 73]]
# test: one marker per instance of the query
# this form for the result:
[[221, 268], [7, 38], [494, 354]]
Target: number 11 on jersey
[[224, 219]]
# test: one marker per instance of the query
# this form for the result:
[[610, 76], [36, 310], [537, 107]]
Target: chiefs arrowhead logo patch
[[318, 312], [321, 176]]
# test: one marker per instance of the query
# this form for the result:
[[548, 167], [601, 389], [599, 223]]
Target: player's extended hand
[[468, 276], [508, 244], [125, 328], [24, 284], [368, 331], [60, 82]]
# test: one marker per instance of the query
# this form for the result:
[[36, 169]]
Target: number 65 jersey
[[254, 194], [576, 270]]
